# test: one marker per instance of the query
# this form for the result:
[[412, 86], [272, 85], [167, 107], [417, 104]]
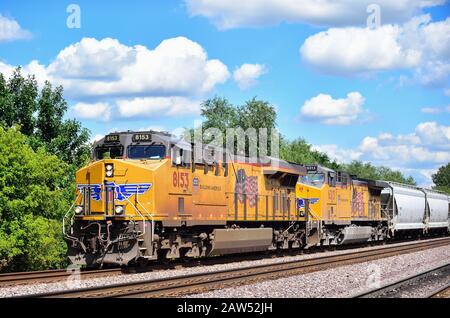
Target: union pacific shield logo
[[125, 191]]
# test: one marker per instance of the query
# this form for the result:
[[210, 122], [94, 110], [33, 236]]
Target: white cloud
[[447, 91], [96, 138], [96, 111], [93, 59], [434, 134], [11, 30], [177, 66], [419, 45], [105, 68], [157, 106], [339, 154], [419, 153], [167, 80], [247, 74], [332, 111], [348, 50], [227, 14]]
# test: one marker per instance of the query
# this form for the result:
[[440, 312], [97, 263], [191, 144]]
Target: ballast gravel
[[347, 281], [337, 282]]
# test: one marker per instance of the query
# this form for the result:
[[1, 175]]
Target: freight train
[[145, 197]]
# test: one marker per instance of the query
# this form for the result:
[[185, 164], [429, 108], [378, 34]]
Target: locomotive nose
[[110, 188]]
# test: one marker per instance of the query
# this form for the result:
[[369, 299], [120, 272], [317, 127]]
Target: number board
[[112, 138], [311, 168], [142, 137]]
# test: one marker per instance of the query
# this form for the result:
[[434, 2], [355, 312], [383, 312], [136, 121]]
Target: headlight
[[109, 167], [119, 209], [78, 210]]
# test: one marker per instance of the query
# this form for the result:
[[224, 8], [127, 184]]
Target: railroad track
[[413, 285], [443, 292], [201, 282], [50, 276]]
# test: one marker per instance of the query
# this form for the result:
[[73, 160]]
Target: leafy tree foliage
[[31, 204], [442, 178], [368, 171], [41, 150], [219, 113], [299, 151], [40, 115]]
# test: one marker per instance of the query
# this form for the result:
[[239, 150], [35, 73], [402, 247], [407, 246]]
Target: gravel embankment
[[346, 281], [325, 283]]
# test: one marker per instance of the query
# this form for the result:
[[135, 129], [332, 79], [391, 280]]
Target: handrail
[[139, 212], [65, 216]]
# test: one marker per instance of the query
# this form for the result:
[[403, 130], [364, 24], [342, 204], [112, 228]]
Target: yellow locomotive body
[[145, 197], [346, 208]]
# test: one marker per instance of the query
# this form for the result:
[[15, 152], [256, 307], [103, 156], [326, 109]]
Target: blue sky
[[378, 94]]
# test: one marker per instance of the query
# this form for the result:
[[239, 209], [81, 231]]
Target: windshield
[[110, 152], [315, 179], [147, 152]]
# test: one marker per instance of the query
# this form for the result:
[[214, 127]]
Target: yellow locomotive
[[145, 197], [342, 208]]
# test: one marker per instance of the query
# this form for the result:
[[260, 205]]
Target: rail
[[200, 282], [397, 286]]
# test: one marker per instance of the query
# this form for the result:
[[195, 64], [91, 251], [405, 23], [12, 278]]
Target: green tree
[[299, 151], [32, 201], [31, 243], [442, 178], [219, 113], [368, 171], [22, 104], [52, 107], [6, 104], [40, 116]]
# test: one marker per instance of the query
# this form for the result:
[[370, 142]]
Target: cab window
[[108, 152], [147, 152], [315, 179]]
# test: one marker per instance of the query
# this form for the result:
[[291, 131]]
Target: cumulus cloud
[[157, 107], [338, 153], [419, 153], [10, 30], [165, 81], [332, 111], [419, 45], [177, 66], [228, 14], [95, 111], [93, 59], [348, 50], [247, 74], [106, 68]]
